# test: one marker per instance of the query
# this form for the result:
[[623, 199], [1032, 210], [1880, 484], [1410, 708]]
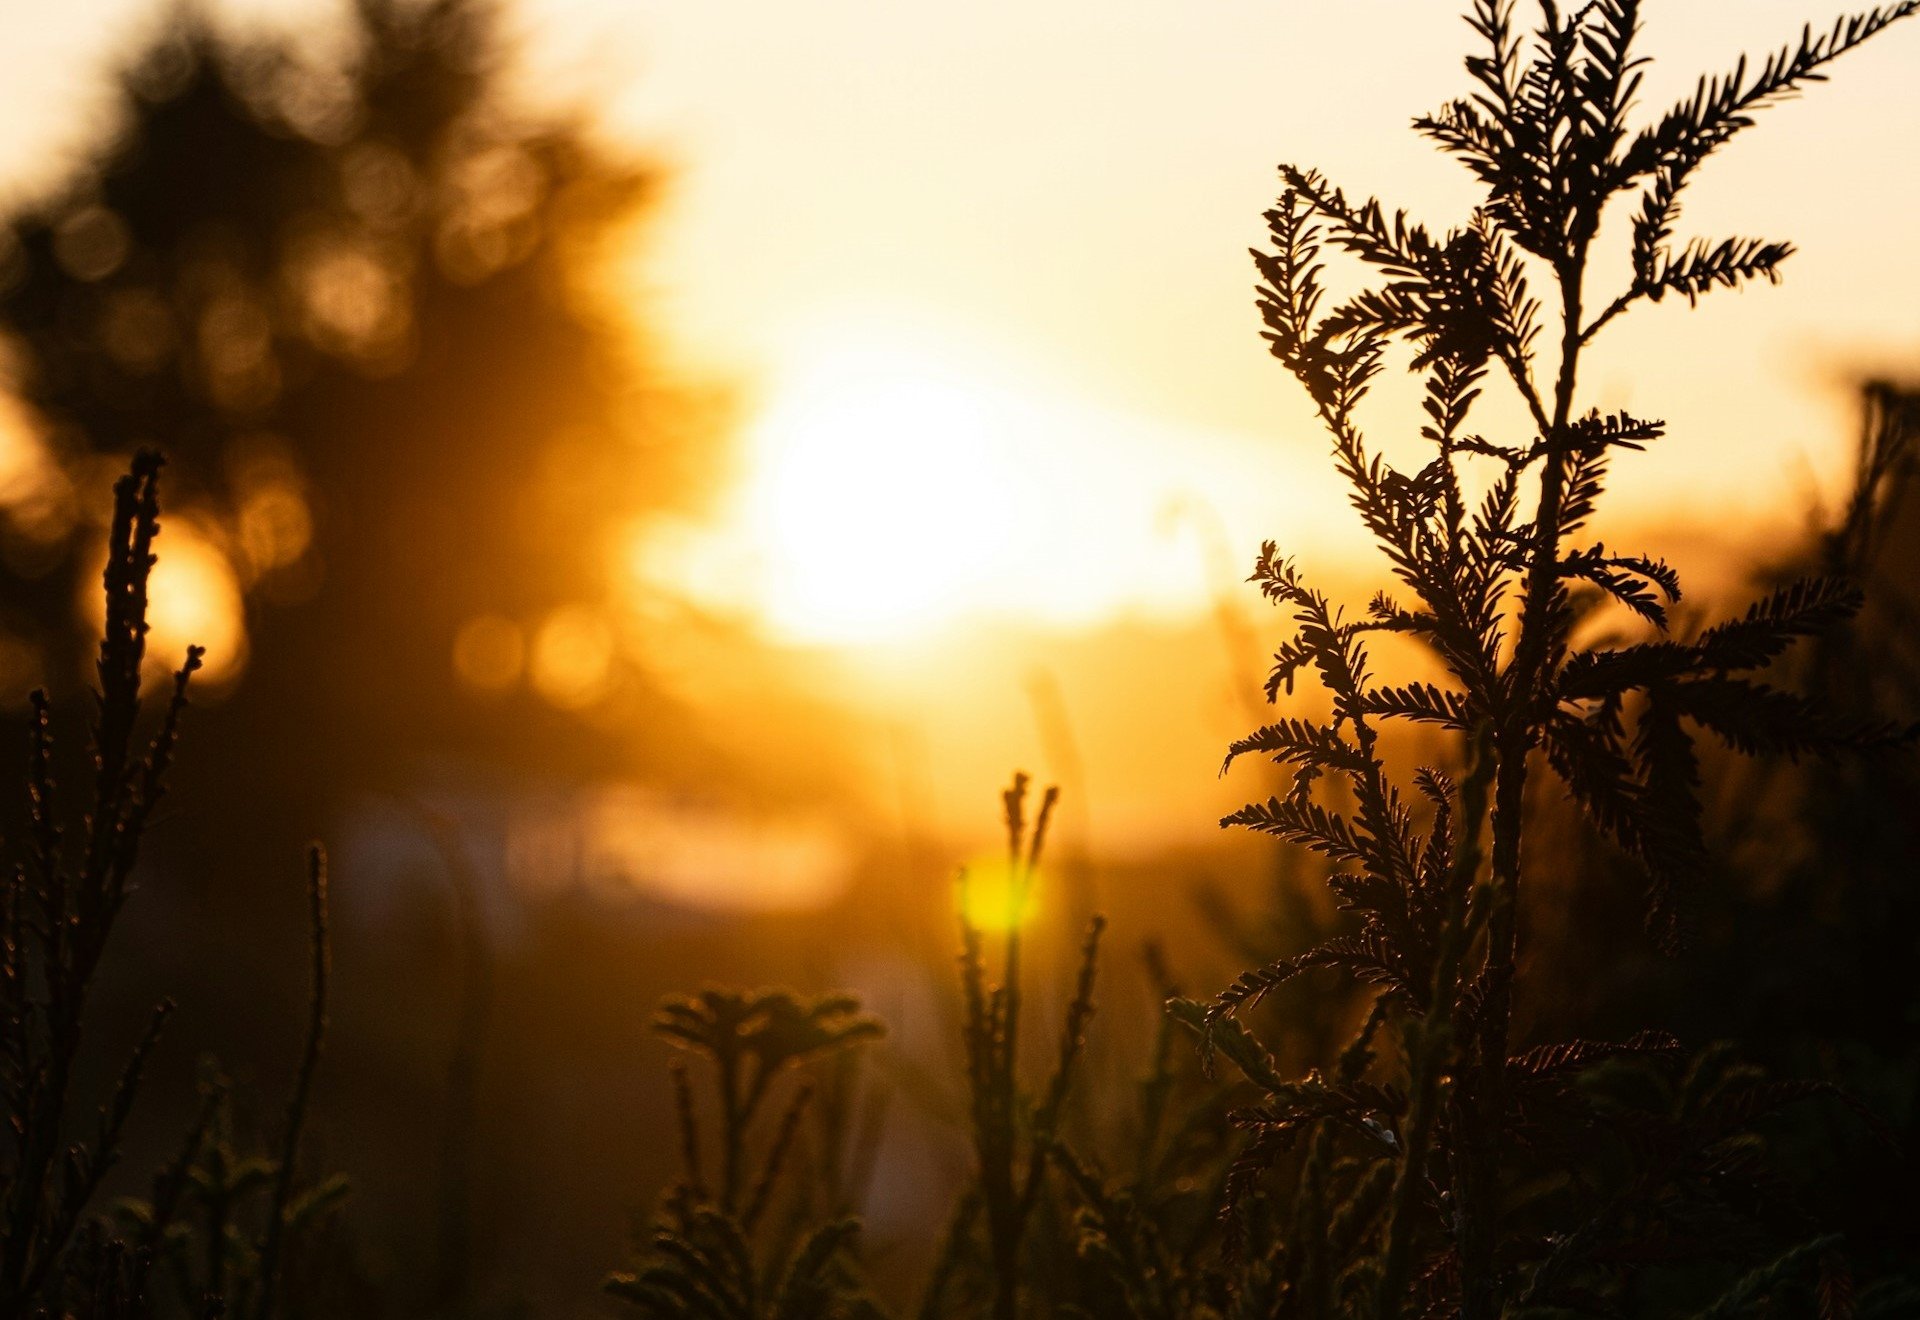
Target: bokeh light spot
[[573, 657], [489, 653], [194, 600], [91, 243]]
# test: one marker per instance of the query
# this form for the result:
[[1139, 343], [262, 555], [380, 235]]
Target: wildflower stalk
[[701, 1258], [59, 916], [1007, 1192]]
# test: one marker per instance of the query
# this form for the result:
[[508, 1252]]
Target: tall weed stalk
[[1486, 540], [1004, 1117], [58, 909]]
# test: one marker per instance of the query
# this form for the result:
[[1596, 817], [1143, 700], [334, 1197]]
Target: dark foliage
[[59, 908], [369, 305], [700, 1250], [1485, 537], [1445, 1161]]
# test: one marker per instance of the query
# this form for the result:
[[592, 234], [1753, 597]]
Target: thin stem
[[1614, 308], [321, 952], [1514, 744], [730, 1129], [762, 1195]]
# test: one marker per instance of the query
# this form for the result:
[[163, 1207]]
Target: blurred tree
[[368, 310], [363, 311]]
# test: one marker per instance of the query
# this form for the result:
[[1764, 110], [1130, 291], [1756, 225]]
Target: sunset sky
[[1037, 214], [977, 275]]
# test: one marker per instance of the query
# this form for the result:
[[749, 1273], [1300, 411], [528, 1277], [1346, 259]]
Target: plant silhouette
[[1438, 1166], [1486, 538], [1445, 1158], [216, 1232]]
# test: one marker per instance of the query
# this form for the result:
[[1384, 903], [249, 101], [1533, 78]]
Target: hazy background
[[973, 278], [670, 606]]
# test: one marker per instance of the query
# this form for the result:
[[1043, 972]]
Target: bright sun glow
[[885, 491], [897, 484]]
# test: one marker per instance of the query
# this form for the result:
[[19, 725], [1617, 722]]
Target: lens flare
[[993, 898]]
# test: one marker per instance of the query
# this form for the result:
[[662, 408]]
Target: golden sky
[[1074, 183], [1049, 204], [993, 253]]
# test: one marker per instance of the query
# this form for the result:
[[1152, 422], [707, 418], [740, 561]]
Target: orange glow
[[489, 653], [885, 489], [36, 496], [990, 344], [194, 600], [573, 657], [275, 525], [900, 483], [625, 838]]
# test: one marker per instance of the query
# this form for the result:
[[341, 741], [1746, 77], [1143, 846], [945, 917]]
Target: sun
[[897, 485], [884, 493]]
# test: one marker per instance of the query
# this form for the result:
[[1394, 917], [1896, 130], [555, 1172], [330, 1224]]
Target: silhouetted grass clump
[[701, 1258], [213, 1235]]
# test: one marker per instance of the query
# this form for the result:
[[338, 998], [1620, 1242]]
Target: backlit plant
[[1487, 539]]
